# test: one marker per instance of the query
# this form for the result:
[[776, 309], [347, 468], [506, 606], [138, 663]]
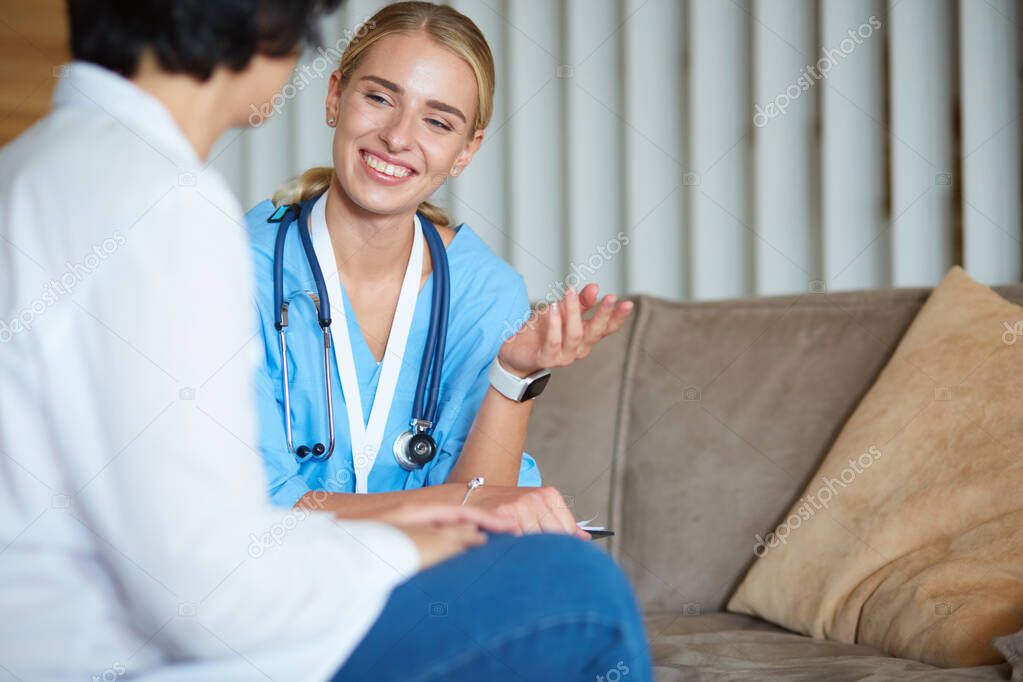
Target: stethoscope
[[412, 448]]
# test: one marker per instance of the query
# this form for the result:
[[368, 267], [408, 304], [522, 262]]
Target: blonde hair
[[452, 30]]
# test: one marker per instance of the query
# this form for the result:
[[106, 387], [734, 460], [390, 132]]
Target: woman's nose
[[398, 135]]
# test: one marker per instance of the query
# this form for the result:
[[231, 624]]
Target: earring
[[330, 121]]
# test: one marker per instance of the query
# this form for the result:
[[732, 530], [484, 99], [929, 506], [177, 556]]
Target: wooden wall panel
[[33, 43]]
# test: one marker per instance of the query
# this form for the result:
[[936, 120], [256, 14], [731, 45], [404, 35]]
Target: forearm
[[493, 448], [359, 506]]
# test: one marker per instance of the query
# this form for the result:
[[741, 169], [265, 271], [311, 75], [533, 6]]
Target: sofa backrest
[[695, 429]]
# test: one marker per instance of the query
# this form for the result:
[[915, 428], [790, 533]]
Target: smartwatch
[[519, 389]]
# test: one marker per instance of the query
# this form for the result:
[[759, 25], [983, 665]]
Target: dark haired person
[[136, 539]]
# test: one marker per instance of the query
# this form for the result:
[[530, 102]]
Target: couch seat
[[715, 647]]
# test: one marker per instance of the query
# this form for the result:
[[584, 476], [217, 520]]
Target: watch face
[[536, 387]]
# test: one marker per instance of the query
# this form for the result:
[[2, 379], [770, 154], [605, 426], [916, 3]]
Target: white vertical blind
[[920, 33], [592, 108], [855, 234], [656, 260], [720, 109], [989, 52], [647, 117], [533, 149], [269, 154], [785, 170], [479, 196], [310, 136]]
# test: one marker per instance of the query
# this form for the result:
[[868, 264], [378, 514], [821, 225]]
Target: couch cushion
[[918, 549], [1011, 647], [572, 430], [661, 624], [717, 646], [733, 405]]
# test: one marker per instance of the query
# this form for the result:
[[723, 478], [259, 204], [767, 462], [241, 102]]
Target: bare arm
[[493, 448], [526, 510], [555, 337], [355, 505]]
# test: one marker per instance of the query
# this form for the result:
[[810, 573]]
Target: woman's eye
[[438, 124], [377, 98]]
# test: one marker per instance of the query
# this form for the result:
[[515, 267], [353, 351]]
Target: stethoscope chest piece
[[415, 447]]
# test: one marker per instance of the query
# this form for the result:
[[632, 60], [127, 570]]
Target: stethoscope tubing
[[430, 367], [433, 352]]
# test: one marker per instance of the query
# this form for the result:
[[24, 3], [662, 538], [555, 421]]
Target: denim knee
[[568, 561]]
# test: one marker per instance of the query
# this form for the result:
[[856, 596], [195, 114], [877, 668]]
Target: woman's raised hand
[[557, 335]]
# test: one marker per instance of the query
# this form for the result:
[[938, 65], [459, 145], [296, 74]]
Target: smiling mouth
[[381, 166]]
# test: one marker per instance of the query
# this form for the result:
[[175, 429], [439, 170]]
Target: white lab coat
[[136, 539]]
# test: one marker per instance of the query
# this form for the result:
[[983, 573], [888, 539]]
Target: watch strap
[[510, 386]]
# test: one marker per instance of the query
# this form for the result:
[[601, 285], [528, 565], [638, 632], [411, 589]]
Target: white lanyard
[[366, 439]]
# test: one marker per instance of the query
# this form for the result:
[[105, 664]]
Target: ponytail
[[315, 182], [435, 214]]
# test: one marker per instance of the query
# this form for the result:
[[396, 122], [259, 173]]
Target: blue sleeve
[[529, 472], [504, 316]]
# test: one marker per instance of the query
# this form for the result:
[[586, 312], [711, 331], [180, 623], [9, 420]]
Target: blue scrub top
[[488, 305]]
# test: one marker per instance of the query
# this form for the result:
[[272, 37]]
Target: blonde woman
[[409, 105], [147, 561]]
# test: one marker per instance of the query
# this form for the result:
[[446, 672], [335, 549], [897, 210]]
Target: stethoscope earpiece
[[302, 452]]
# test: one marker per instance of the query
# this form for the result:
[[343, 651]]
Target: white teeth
[[385, 168]]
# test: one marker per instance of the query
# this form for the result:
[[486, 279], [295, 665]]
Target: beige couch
[[694, 430]]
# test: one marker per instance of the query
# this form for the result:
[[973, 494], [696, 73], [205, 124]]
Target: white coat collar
[[87, 85]]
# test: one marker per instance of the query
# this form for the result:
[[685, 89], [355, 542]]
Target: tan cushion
[[919, 549], [732, 647]]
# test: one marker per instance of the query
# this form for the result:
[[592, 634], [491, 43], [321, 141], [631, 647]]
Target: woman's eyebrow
[[393, 87], [446, 107], [398, 90]]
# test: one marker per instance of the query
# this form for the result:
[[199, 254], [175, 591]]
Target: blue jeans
[[538, 607]]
